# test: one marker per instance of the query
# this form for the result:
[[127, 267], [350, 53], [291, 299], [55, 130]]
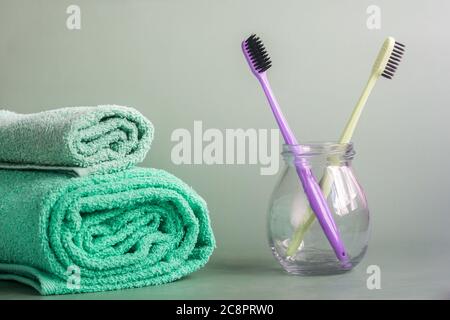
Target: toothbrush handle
[[286, 132], [312, 189], [350, 127], [346, 137], [319, 204]]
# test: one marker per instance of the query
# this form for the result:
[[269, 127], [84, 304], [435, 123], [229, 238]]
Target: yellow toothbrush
[[385, 65]]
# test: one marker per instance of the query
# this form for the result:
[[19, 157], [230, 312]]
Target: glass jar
[[295, 237]]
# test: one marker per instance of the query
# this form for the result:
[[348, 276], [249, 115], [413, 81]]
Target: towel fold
[[125, 229], [97, 139]]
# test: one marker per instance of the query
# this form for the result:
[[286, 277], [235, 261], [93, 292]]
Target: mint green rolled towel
[[132, 228], [97, 139]]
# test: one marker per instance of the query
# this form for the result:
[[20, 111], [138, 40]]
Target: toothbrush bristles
[[394, 60], [258, 55]]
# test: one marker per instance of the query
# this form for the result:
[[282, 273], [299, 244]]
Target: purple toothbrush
[[259, 61]]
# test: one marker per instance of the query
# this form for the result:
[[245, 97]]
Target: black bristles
[[394, 60], [257, 53], [391, 66], [390, 69]]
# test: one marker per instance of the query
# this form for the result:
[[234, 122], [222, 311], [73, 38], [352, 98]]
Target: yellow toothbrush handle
[[325, 182], [347, 134]]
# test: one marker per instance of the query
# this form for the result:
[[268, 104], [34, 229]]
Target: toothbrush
[[385, 65], [259, 61]]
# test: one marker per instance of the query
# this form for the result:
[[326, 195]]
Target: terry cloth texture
[[102, 139], [63, 234]]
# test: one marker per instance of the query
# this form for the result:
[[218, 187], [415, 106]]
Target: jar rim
[[319, 148]]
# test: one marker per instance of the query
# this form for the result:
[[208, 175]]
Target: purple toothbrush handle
[[319, 205], [312, 189]]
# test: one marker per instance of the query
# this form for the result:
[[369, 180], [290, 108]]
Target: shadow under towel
[[81, 139], [125, 229]]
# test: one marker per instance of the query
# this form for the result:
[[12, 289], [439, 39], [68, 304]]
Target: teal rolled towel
[[132, 228], [96, 139]]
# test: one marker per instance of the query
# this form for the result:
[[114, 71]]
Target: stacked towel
[[82, 139], [105, 230]]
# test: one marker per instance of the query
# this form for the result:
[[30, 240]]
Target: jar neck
[[331, 152]]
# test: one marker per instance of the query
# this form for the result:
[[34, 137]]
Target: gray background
[[180, 61]]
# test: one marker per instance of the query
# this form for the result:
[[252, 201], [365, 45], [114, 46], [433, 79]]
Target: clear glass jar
[[295, 237]]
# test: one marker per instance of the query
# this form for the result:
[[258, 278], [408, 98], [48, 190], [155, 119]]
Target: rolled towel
[[82, 139], [126, 229]]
